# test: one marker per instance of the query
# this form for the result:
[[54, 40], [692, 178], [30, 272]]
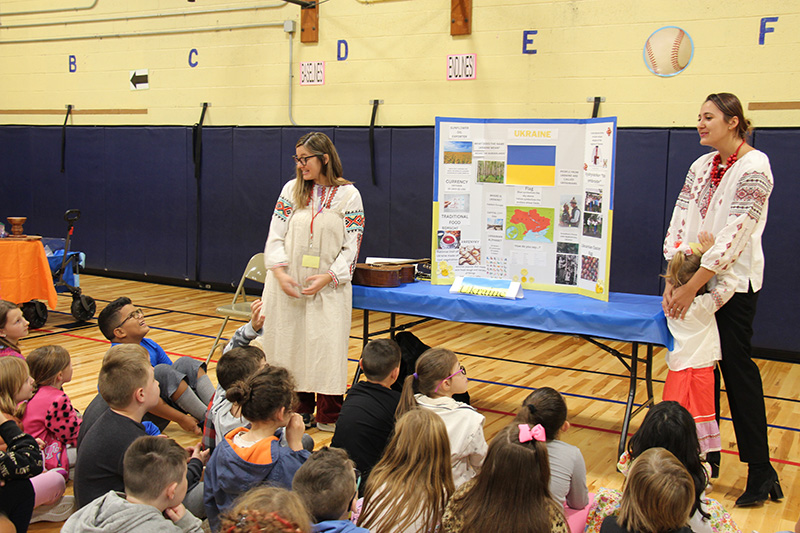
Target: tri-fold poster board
[[529, 201]]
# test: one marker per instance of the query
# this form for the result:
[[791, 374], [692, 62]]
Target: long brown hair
[[512, 488], [731, 106], [5, 307], [13, 375], [658, 495], [544, 406], [46, 362], [413, 479], [434, 365], [318, 144]]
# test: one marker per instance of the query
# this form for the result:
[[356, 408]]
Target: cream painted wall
[[397, 52]]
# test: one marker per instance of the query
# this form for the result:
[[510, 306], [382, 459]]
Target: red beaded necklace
[[716, 171]]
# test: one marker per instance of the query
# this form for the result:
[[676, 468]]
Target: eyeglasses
[[136, 315], [303, 160], [461, 370]]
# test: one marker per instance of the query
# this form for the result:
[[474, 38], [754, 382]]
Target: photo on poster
[[593, 202], [457, 153], [567, 247], [593, 225], [494, 224], [531, 225], [589, 267], [456, 203], [469, 254], [570, 213], [566, 269], [449, 239], [491, 171]]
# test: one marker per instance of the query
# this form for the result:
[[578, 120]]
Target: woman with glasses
[[311, 252]]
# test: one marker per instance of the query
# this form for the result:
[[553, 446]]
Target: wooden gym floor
[[504, 365]]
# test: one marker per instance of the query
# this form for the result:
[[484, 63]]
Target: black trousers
[[16, 502], [742, 377]]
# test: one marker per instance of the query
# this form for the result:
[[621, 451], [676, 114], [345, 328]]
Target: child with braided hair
[[267, 510]]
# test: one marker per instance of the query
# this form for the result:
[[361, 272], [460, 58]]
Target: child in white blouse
[[690, 380]]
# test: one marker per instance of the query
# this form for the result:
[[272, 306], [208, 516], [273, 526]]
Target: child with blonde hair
[[49, 415], [13, 327], [411, 483], [438, 375], [246, 458], [267, 510], [691, 362], [16, 388], [657, 497]]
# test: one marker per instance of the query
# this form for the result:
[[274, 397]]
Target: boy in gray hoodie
[[154, 469]]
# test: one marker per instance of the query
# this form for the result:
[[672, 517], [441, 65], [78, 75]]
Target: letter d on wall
[[341, 50]]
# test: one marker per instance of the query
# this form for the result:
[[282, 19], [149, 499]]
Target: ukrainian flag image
[[531, 165]]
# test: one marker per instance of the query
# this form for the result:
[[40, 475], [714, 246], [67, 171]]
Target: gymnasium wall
[[534, 59], [129, 149]]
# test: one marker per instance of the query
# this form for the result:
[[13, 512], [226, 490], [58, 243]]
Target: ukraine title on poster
[[529, 201]]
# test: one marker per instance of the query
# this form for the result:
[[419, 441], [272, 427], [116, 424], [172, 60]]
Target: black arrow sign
[[136, 79]]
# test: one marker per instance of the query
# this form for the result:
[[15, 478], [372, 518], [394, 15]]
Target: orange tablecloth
[[24, 273]]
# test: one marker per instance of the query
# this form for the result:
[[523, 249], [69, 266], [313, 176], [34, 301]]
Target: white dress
[[310, 335]]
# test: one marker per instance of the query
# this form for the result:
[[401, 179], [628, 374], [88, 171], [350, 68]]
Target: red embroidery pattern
[[354, 221], [751, 195], [283, 209]]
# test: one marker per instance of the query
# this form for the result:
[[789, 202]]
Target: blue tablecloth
[[625, 317]]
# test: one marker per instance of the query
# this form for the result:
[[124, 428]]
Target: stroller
[[83, 307]]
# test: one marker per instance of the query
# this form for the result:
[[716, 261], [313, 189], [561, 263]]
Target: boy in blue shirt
[[327, 485]]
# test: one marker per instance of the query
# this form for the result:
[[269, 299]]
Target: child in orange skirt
[[690, 380]]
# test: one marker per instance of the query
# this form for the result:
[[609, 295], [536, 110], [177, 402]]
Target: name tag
[[311, 261]]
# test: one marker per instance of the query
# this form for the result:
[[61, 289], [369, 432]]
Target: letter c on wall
[[192, 62]]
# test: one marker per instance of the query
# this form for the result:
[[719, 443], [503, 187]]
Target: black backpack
[[411, 348]]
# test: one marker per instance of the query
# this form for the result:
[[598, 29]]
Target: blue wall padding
[[353, 147], [411, 192], [136, 189], [641, 171], [777, 317], [148, 191]]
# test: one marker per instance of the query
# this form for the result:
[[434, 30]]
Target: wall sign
[[139, 79], [461, 67], [312, 73]]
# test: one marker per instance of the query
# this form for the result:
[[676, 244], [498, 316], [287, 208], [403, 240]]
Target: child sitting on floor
[[13, 327], [367, 417], [510, 493], [267, 510], [547, 407], [328, 485], [412, 482], [49, 415], [16, 388], [185, 387], [19, 461], [250, 457], [236, 364], [438, 376], [657, 497], [154, 469], [127, 385]]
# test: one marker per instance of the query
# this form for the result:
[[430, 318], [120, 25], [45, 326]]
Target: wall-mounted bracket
[[309, 24], [460, 17]]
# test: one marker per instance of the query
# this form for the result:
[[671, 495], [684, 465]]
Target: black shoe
[[713, 461], [761, 484]]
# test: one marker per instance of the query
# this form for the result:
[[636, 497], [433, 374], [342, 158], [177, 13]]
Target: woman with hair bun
[[250, 457], [726, 193]]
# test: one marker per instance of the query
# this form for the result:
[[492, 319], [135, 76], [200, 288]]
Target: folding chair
[[256, 271]]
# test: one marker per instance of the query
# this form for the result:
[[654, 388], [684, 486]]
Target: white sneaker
[[55, 512], [330, 428]]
